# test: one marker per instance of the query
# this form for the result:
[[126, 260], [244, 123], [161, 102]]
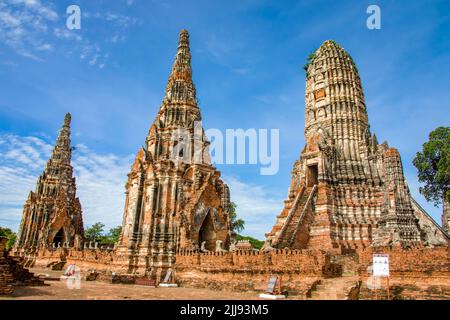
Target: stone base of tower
[[320, 226], [317, 225], [347, 218], [146, 263], [337, 230]]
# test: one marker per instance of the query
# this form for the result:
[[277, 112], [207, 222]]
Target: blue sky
[[247, 64]]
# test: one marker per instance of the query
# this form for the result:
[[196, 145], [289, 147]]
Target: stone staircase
[[12, 272], [57, 265], [294, 219], [342, 288]]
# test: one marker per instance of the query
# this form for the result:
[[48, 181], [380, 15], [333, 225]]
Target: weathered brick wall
[[421, 273], [415, 274], [87, 259], [408, 288], [250, 271], [295, 261], [417, 262], [6, 277]]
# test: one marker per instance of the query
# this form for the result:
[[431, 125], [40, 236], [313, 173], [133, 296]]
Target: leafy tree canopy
[[113, 235], [433, 165], [309, 61], [237, 225], [96, 233], [11, 235]]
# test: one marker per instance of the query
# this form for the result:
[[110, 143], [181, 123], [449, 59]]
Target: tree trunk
[[445, 214]]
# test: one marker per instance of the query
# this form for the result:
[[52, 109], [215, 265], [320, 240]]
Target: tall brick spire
[[334, 91], [347, 191], [335, 108], [179, 109], [52, 213], [174, 197]]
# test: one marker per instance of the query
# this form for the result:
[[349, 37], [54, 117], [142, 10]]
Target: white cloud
[[37, 7], [66, 34], [45, 47], [22, 24], [33, 29], [100, 182], [116, 38], [100, 179], [256, 205], [120, 20]]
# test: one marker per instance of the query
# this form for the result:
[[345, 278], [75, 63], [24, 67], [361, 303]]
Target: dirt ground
[[98, 290]]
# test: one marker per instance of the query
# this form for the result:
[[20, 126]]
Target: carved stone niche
[[319, 94]]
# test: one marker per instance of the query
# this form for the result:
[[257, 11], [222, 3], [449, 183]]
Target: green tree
[[433, 165], [11, 235], [237, 225], [113, 235], [94, 232], [309, 60]]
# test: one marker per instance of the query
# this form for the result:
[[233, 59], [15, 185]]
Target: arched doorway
[[59, 237], [312, 175], [207, 233]]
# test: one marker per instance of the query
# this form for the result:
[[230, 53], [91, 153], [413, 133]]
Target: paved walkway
[[99, 290], [95, 290]]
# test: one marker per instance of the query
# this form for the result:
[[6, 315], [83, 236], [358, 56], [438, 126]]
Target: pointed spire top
[[62, 150], [67, 119], [183, 39], [180, 87]]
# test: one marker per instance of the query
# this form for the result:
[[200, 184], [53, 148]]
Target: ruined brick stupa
[[174, 197], [347, 190], [52, 213]]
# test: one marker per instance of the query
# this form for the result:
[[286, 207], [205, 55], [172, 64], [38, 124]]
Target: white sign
[[381, 265]]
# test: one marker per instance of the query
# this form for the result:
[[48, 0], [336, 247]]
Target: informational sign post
[[271, 285], [169, 279], [273, 290], [380, 264]]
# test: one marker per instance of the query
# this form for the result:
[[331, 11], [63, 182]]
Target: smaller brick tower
[[52, 213]]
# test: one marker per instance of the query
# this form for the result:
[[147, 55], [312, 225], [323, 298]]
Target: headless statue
[[202, 248]]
